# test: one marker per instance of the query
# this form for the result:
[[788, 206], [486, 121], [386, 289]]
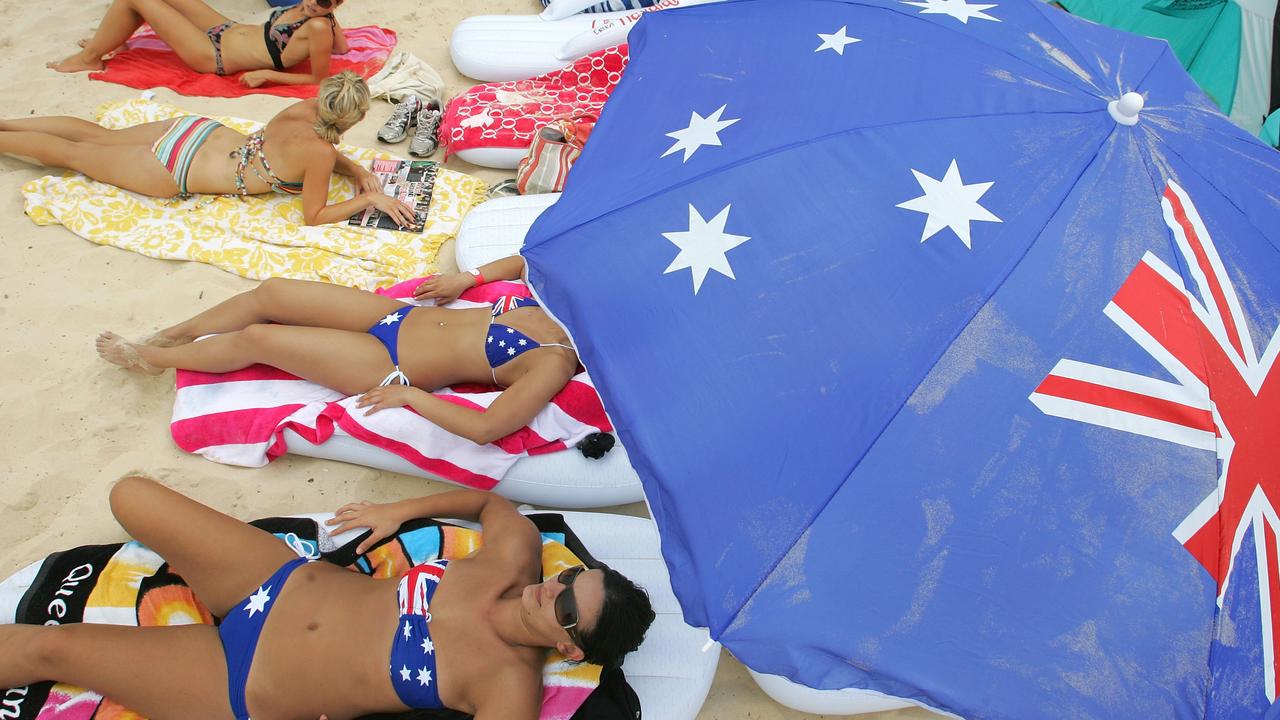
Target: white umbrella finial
[[1125, 110]]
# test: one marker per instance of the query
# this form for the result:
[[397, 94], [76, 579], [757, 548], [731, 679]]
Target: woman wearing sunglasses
[[311, 639], [193, 154], [209, 42]]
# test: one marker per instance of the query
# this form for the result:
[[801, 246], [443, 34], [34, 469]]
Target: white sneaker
[[397, 126], [424, 140]]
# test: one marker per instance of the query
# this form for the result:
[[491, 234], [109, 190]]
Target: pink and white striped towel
[[239, 418]]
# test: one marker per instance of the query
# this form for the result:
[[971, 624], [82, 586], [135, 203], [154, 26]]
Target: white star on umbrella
[[428, 647], [258, 601], [958, 9], [703, 246], [701, 131], [390, 319], [407, 630], [836, 40], [424, 677], [404, 673], [949, 203]]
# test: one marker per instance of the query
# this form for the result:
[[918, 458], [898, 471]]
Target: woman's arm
[[340, 46], [320, 44], [366, 181], [497, 516], [512, 410], [316, 209], [446, 287]]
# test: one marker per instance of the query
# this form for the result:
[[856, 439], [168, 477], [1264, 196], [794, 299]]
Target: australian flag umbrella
[[943, 335]]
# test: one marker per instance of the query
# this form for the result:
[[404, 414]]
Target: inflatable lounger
[[670, 672], [564, 479], [496, 230], [495, 48]]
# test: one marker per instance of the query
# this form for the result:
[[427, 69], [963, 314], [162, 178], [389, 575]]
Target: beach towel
[[507, 114], [149, 62], [256, 236], [239, 418], [127, 584]]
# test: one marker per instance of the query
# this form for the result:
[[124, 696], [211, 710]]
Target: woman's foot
[[76, 63], [116, 350]]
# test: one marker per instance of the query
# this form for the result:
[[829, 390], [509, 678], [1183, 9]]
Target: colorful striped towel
[[239, 418], [127, 584], [148, 62]]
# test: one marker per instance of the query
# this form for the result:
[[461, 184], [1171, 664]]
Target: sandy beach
[[71, 424]]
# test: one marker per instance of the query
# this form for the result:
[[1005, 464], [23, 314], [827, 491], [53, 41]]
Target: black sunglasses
[[567, 604], [326, 4]]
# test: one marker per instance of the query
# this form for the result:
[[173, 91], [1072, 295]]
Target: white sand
[[70, 423]]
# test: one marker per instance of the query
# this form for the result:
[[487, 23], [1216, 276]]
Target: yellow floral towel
[[258, 236]]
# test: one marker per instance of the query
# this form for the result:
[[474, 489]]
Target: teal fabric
[[1204, 34], [1271, 130]]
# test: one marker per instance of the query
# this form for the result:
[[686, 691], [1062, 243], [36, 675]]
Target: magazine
[[408, 180]]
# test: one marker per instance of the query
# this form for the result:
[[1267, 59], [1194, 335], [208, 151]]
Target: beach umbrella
[[1226, 45], [943, 337]]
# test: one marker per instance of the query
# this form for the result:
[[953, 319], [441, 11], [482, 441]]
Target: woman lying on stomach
[[209, 42], [192, 154], [352, 340], [303, 639]]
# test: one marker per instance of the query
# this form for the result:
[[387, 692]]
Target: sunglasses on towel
[[567, 604]]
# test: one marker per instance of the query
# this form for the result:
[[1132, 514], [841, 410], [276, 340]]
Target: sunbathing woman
[[305, 639], [210, 43], [196, 155], [352, 340]]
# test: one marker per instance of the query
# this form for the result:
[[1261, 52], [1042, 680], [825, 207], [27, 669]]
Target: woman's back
[[288, 140]]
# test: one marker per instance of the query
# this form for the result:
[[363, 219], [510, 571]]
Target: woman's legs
[[78, 130], [222, 559], [132, 166], [124, 17], [160, 672]]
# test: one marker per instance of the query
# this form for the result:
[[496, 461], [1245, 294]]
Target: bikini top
[[414, 672], [252, 148], [505, 343], [278, 36]]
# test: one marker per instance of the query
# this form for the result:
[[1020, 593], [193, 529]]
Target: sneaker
[[424, 140], [397, 126]]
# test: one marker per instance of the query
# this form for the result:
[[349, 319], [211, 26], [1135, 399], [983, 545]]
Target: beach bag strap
[[553, 151]]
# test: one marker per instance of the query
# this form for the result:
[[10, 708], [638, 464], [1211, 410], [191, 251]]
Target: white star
[[427, 646], [408, 632], [836, 40], [958, 9], [701, 131], [524, 342], [490, 339], [390, 319], [404, 673], [502, 343], [510, 330], [511, 351], [949, 203], [424, 677], [258, 601], [703, 246]]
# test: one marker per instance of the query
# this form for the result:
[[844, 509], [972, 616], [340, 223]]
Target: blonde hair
[[343, 101]]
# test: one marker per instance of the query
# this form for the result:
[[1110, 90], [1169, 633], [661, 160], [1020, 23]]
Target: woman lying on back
[[303, 639], [352, 340], [209, 42], [193, 154]]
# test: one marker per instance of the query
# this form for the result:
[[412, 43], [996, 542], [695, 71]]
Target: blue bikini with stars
[[413, 656], [240, 629]]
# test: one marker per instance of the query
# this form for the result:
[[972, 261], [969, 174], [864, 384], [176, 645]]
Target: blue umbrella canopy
[[942, 335]]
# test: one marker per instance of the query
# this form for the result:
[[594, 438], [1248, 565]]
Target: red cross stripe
[[1225, 399]]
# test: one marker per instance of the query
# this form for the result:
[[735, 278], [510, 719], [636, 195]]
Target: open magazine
[[408, 180]]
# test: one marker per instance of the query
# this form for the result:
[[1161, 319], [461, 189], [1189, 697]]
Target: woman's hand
[[401, 212], [387, 396], [381, 519], [445, 287], [253, 78], [367, 182]]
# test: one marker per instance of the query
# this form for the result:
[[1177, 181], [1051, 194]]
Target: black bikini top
[[277, 37]]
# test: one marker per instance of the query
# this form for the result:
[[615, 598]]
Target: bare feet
[[76, 63], [116, 350]]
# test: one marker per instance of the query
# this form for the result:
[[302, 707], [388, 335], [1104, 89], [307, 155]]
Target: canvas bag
[[553, 151]]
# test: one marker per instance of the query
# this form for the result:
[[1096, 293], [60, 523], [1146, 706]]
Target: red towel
[[148, 62]]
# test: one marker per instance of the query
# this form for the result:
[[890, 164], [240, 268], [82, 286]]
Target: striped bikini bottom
[[179, 145]]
